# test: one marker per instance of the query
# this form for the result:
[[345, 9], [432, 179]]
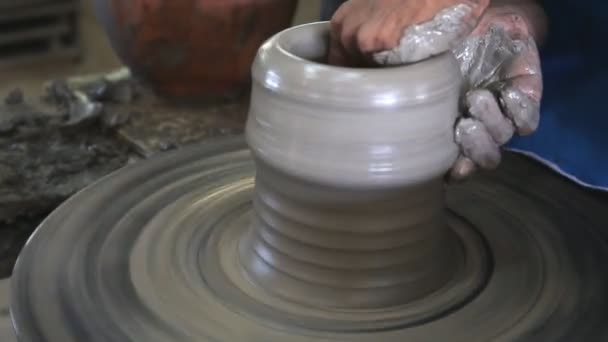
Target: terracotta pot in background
[[192, 48]]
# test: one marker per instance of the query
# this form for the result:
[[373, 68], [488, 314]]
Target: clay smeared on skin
[[482, 105], [503, 86], [444, 32]]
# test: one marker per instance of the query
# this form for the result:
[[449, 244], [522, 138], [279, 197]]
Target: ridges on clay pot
[[348, 202], [190, 49]]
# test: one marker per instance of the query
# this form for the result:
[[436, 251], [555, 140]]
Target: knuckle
[[479, 98], [466, 129], [341, 12], [523, 110], [345, 37], [387, 39], [366, 39]]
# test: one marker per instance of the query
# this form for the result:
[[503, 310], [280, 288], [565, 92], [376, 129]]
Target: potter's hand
[[399, 31], [500, 62]]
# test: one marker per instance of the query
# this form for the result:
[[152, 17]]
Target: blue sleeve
[[574, 118]]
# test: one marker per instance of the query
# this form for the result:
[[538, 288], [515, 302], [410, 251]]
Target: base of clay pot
[[151, 253]]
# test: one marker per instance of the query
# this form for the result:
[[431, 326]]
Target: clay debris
[[49, 150]]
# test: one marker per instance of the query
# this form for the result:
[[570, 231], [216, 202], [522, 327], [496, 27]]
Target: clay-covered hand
[[503, 89], [493, 43], [398, 31]]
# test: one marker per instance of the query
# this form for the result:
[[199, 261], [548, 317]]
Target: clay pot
[[351, 127], [349, 175], [192, 48]]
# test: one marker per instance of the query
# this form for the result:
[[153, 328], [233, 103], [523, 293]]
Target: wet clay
[[43, 161], [330, 222], [349, 164], [154, 256]]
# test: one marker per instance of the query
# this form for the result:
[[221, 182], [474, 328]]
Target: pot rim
[[325, 25], [288, 64]]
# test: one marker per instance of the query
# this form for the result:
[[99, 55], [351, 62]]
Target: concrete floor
[[98, 55]]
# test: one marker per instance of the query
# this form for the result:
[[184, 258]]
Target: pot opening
[[310, 42]]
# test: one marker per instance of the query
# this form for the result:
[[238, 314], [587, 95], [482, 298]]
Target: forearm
[[530, 10]]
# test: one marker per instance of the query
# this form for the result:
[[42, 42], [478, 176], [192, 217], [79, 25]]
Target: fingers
[[481, 135], [463, 168], [491, 125], [513, 103], [337, 55], [525, 61], [362, 28], [477, 144], [521, 95], [482, 105], [442, 32], [346, 39], [378, 35], [402, 31], [522, 109], [348, 33]]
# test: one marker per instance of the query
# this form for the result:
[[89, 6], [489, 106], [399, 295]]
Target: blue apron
[[571, 137]]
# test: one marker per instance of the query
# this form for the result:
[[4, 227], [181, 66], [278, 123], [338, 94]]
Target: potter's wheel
[[148, 254]]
